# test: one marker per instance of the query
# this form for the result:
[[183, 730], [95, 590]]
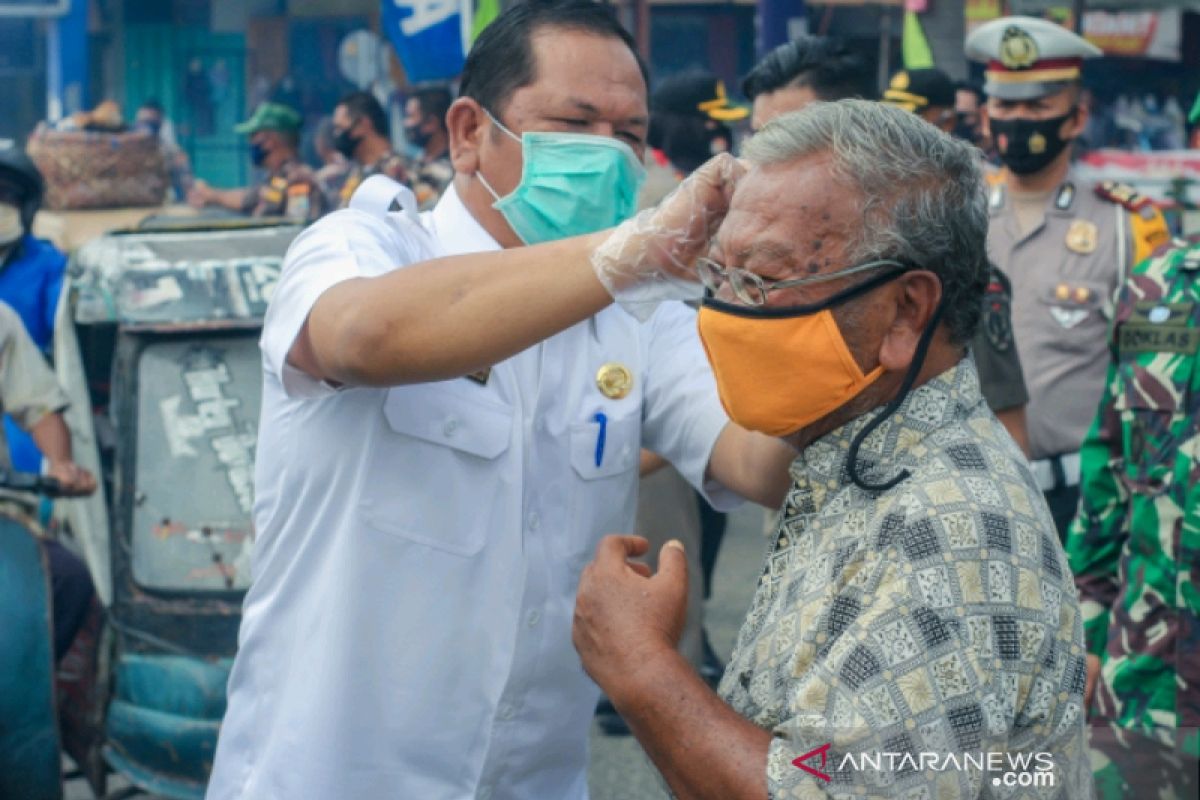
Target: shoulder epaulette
[[1123, 194]]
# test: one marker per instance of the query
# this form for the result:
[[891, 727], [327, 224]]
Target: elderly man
[[915, 631]]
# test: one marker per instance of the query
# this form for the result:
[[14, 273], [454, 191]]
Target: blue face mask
[[571, 184]]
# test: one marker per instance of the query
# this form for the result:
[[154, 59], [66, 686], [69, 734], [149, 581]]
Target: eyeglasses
[[752, 289]]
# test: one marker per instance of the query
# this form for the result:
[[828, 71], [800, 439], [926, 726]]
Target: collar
[[820, 472], [456, 229]]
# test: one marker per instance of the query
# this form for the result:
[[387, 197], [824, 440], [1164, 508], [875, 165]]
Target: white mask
[[11, 228]]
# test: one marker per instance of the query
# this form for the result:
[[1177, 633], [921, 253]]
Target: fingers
[[672, 565], [620, 548], [640, 568]]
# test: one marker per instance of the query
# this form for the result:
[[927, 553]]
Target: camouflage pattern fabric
[[431, 178], [1135, 545], [291, 191], [1128, 765], [391, 165]]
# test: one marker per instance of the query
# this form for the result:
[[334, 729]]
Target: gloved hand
[[651, 257]]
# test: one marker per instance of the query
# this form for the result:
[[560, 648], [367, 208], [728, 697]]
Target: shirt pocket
[[1077, 309], [435, 475], [605, 485], [1154, 374]]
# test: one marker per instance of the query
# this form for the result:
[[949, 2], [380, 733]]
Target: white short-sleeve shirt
[[408, 630]]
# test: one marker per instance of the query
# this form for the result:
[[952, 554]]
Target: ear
[[466, 124], [1078, 123], [916, 295]]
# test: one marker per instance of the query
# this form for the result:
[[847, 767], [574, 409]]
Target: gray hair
[[923, 198]]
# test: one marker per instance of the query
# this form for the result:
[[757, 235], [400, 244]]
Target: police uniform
[[417, 550], [1135, 546], [1066, 268]]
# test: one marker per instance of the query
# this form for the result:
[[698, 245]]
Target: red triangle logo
[[823, 752]]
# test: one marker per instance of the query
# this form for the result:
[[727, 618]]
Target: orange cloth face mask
[[780, 369]]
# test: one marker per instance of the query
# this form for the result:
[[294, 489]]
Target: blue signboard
[[430, 36]]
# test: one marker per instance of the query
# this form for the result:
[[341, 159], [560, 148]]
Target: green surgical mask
[[571, 184]]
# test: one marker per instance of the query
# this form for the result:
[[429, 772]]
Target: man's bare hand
[[74, 480], [200, 194], [624, 615], [652, 257]]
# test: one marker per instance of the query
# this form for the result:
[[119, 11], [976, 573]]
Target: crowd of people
[[958, 378]]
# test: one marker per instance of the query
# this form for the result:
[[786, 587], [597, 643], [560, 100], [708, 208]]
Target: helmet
[[18, 169]]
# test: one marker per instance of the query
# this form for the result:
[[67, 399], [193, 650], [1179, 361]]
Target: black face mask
[[258, 154], [965, 130], [345, 143], [1027, 145], [416, 136]]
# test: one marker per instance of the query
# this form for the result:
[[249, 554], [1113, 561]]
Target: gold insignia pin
[[1037, 144], [1018, 50], [1082, 294], [614, 381], [901, 81], [1082, 236], [1062, 292]]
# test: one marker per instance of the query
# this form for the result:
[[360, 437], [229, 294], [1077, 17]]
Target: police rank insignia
[[1082, 236], [1018, 50], [614, 380]]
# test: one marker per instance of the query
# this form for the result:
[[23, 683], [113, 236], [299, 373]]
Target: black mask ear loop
[[910, 377]]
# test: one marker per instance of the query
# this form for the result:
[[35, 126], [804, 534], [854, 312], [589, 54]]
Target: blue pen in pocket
[[602, 420]]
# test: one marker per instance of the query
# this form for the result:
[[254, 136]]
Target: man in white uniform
[[443, 442]]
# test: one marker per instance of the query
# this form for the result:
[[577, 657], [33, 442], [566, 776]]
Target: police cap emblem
[[1018, 50]]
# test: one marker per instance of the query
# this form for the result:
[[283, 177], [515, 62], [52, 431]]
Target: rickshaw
[[156, 346]]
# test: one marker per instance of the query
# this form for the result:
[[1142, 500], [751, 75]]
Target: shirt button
[[534, 617], [505, 712], [451, 427], [535, 521]]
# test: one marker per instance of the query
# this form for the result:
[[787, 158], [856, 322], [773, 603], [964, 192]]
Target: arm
[[446, 318], [1013, 420], [201, 195], [752, 464], [704, 749], [54, 440]]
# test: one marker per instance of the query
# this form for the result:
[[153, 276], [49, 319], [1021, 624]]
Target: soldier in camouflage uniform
[[290, 188], [361, 133], [1135, 545], [425, 127]]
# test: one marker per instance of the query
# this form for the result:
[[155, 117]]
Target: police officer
[[930, 94], [31, 275], [1133, 549], [1064, 245], [289, 190]]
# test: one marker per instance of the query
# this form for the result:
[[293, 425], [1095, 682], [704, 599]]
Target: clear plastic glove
[[651, 257]]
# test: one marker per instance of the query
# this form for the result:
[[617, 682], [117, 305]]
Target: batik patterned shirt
[[929, 633]]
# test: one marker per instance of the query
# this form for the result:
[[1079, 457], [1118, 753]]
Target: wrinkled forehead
[[794, 215]]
